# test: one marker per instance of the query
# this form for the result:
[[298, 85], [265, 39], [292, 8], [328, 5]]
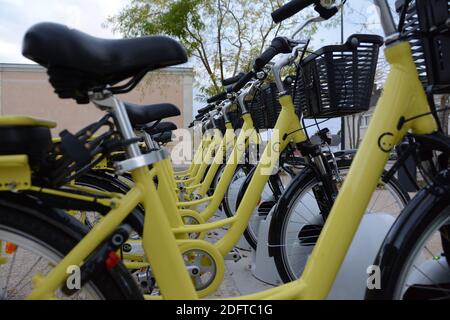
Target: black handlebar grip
[[243, 81], [326, 13], [265, 58], [290, 9], [278, 45], [219, 97], [232, 80], [206, 109]]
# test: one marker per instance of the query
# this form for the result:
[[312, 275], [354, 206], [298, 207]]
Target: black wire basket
[[337, 81], [426, 25], [265, 107], [257, 110]]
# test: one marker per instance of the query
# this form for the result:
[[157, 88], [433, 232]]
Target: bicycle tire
[[398, 248], [286, 203], [108, 183]]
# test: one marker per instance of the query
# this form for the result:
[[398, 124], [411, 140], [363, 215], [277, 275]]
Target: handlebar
[[278, 45], [206, 109], [232, 80], [243, 81], [198, 118], [219, 97], [289, 9], [293, 7]]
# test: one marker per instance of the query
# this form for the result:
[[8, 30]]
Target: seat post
[[151, 144], [117, 108]]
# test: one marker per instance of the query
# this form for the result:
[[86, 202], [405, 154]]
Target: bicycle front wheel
[[415, 258], [297, 223]]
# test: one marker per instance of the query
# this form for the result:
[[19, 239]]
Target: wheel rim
[[426, 272], [304, 223], [207, 268]]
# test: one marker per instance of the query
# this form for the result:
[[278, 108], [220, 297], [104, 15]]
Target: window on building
[[365, 120]]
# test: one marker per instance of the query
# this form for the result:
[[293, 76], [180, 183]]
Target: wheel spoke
[[438, 287], [23, 278], [8, 277]]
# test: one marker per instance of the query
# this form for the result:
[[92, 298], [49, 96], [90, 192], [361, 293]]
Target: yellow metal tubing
[[197, 228], [160, 246], [288, 122]]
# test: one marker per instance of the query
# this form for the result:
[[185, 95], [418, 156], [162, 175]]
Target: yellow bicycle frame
[[226, 144], [204, 152], [204, 142], [288, 124], [403, 97]]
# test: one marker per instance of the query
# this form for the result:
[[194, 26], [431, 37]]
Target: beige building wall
[[25, 90]]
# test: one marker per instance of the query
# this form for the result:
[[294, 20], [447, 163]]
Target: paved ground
[[239, 279]]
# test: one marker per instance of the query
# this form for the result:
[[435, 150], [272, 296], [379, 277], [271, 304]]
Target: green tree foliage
[[222, 36]]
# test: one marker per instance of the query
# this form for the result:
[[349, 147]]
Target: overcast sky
[[16, 16]]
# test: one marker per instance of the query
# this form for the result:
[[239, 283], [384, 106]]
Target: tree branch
[[204, 57]]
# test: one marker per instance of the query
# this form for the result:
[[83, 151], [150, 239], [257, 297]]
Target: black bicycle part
[[103, 259], [32, 216], [338, 80]]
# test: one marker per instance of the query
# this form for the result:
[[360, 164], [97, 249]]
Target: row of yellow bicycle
[[103, 214]]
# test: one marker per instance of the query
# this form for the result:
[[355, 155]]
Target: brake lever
[[248, 90], [284, 61], [307, 23], [325, 13]]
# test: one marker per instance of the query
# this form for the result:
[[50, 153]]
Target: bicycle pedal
[[234, 255]]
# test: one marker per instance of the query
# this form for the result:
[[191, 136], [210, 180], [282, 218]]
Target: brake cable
[[304, 129], [403, 121]]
